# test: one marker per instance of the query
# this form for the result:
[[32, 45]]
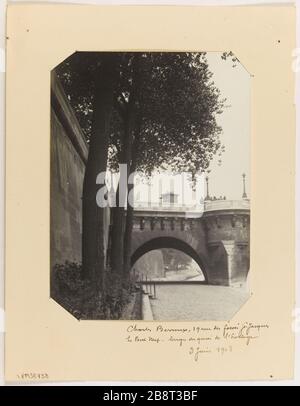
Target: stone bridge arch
[[171, 242], [218, 239], [186, 235]]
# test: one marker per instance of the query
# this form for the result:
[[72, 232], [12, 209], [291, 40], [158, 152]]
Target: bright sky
[[235, 86], [225, 179]]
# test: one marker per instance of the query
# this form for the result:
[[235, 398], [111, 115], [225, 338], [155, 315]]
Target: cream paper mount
[[46, 343]]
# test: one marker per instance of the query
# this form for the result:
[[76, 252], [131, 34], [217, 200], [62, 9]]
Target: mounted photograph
[[150, 185]]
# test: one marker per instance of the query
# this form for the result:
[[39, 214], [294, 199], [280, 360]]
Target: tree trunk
[[117, 236], [130, 208], [128, 229], [126, 158], [117, 259], [93, 248]]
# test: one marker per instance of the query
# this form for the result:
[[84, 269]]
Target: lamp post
[[207, 188]]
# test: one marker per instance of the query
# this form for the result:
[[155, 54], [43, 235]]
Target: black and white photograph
[[150, 185], [145, 149]]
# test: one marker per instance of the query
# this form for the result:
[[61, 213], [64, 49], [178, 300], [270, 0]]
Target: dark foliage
[[176, 102], [77, 294]]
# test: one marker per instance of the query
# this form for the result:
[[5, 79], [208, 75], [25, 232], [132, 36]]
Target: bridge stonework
[[218, 238]]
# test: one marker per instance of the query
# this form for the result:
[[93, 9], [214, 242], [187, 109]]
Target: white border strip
[[2, 172], [297, 102], [296, 381], [163, 2]]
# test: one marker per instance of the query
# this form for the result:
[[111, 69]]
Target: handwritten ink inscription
[[198, 340]]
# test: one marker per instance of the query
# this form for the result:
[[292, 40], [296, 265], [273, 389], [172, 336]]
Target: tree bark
[[116, 237], [117, 259], [119, 226], [130, 208], [93, 233], [128, 229]]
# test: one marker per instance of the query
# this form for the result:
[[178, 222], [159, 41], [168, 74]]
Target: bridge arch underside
[[170, 242]]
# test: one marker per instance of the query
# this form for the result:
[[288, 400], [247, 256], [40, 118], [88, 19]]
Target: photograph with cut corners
[[150, 175]]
